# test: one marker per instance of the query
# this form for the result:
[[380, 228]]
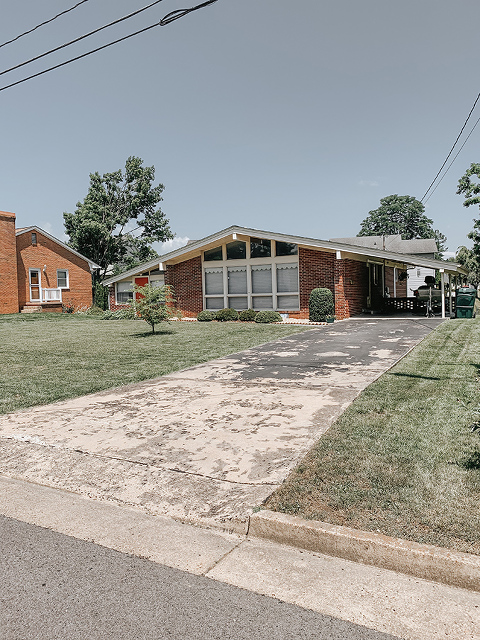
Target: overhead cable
[[25, 33], [161, 23], [87, 35], [451, 150], [456, 156]]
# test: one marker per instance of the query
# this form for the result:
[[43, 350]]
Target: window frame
[[67, 279]]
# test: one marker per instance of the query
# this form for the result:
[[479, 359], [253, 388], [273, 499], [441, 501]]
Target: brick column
[[8, 264]]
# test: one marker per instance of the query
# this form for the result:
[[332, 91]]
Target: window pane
[[124, 292], [287, 277], [262, 302], [237, 280], [214, 303], [260, 248], [238, 302], [213, 254], [286, 249], [236, 250], [262, 279], [287, 302], [62, 278], [213, 281]]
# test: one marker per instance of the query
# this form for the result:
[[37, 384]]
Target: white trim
[[30, 271]]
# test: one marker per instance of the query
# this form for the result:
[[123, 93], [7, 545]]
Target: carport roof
[[342, 250]]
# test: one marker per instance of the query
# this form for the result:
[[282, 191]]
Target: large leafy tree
[[404, 215], [469, 187], [119, 219]]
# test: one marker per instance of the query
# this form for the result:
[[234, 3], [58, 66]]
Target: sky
[[291, 117]]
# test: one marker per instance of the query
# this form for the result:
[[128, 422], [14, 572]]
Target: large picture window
[[247, 275]]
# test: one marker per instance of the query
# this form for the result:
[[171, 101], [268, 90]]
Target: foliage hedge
[[206, 316], [320, 305], [268, 316], [226, 315], [120, 314], [247, 315]]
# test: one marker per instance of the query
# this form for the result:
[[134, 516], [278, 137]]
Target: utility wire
[[87, 35], [163, 22], [456, 156], [25, 33], [454, 145]]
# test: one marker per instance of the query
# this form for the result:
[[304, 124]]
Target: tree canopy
[[469, 187], [402, 215], [119, 219]]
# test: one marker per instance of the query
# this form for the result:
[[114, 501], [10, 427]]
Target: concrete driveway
[[206, 444]]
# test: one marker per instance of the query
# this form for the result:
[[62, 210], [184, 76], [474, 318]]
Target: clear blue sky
[[294, 117]]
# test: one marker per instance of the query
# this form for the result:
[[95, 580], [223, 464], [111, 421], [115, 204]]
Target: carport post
[[442, 280], [450, 293]]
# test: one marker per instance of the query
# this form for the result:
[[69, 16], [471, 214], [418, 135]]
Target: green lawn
[[48, 357], [402, 460]]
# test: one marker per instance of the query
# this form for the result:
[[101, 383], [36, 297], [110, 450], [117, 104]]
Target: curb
[[420, 560]]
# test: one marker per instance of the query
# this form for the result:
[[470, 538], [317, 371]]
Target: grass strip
[[402, 460]]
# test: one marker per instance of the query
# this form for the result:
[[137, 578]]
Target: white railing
[[51, 295]]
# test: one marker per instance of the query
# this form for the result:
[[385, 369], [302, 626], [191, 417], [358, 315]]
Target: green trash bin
[[465, 302]]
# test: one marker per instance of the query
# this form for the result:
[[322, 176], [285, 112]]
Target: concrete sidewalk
[[207, 444], [406, 607]]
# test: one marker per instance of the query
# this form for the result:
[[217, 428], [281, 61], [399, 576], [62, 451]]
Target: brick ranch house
[[39, 272], [246, 268]]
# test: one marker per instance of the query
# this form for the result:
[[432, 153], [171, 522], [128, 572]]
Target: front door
[[35, 286], [376, 286], [140, 282]]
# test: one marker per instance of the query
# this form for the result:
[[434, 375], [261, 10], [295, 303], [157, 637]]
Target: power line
[[451, 150], [166, 20], [25, 33], [456, 156], [87, 35]]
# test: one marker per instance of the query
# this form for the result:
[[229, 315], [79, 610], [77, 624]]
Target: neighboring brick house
[[246, 268], [39, 272]]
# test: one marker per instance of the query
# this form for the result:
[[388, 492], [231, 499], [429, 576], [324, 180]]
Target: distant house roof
[[395, 243], [195, 248], [91, 265]]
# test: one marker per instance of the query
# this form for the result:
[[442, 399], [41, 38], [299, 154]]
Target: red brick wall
[[315, 270], [54, 256], [8, 264], [186, 279], [351, 287]]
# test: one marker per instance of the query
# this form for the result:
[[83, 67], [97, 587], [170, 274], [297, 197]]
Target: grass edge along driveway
[[402, 460], [50, 357]]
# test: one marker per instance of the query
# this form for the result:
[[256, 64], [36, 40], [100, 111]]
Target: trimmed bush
[[247, 315], [268, 316], [320, 305], [120, 314], [226, 315], [206, 316]]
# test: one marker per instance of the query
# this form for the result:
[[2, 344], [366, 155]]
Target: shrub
[[100, 296], [247, 315], [225, 315], [206, 316], [320, 305], [268, 316], [120, 314], [68, 307]]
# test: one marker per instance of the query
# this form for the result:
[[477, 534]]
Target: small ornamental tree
[[154, 304], [320, 305]]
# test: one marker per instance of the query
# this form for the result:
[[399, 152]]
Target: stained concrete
[[206, 444]]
